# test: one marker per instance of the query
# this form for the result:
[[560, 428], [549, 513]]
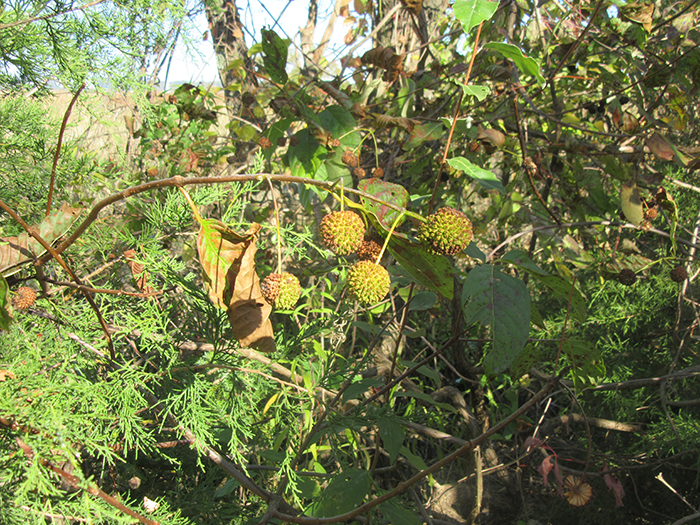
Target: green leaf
[[416, 461], [274, 56], [426, 399], [427, 372], [503, 303], [472, 12], [480, 92], [387, 192], [5, 318], [520, 259], [399, 515], [226, 488], [563, 289], [587, 368], [276, 131], [430, 270], [558, 284], [356, 389], [422, 132], [423, 301], [340, 123], [306, 157], [529, 357], [526, 65], [344, 492], [484, 177], [393, 435]]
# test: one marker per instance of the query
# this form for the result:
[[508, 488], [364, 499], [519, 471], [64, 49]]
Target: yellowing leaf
[[660, 146], [631, 203]]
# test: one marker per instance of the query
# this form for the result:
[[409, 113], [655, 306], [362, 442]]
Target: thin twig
[[49, 16], [34, 233], [59, 143]]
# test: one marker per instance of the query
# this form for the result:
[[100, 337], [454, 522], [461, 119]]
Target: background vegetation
[[545, 374]]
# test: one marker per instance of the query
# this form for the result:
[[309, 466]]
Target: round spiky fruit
[[25, 298], [679, 274], [446, 232], [281, 290], [627, 277], [368, 283], [342, 232]]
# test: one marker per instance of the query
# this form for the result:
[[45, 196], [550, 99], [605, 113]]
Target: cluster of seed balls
[[628, 277], [447, 232]]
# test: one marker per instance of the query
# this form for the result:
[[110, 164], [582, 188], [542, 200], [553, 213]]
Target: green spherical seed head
[[290, 290], [342, 232], [281, 290], [368, 283], [447, 231]]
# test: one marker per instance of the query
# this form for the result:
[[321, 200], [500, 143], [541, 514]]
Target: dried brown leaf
[[660, 146], [228, 262]]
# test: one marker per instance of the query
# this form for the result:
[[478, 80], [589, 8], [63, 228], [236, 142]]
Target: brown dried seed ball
[[247, 99], [349, 159], [369, 250], [334, 143], [25, 298], [627, 277], [377, 173], [270, 287], [281, 141], [264, 143], [281, 290], [342, 231], [651, 214], [294, 141], [679, 274], [359, 173]]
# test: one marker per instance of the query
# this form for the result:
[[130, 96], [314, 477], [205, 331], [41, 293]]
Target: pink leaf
[[532, 443], [545, 468], [615, 485]]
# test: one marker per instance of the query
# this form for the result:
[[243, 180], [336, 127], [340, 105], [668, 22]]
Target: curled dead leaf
[[228, 264], [492, 136], [660, 146]]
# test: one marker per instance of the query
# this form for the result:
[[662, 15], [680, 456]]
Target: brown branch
[[578, 41], [401, 487], [177, 181], [528, 165], [55, 254], [75, 482], [627, 385], [458, 106], [59, 143], [52, 15], [601, 423]]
